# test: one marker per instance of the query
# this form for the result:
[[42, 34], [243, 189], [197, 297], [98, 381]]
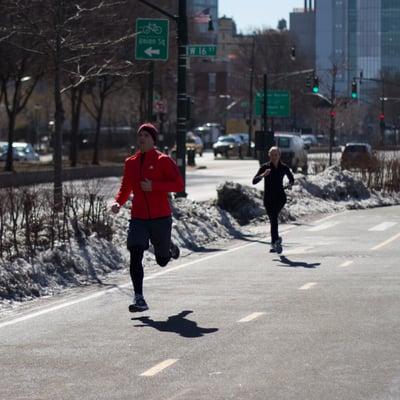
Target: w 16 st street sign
[[152, 39], [202, 50], [278, 103]]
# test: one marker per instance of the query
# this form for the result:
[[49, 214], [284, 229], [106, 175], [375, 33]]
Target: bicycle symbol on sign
[[152, 28]]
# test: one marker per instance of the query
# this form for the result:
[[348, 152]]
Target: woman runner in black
[[273, 173]]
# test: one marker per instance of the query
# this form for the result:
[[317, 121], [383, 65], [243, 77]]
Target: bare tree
[[102, 88], [19, 74]]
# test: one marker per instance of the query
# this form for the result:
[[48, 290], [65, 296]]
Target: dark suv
[[359, 156]]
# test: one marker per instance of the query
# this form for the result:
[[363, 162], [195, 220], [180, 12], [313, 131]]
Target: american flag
[[202, 17]]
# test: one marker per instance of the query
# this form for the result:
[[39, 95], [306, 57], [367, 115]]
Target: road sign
[[152, 39], [278, 102], [201, 50]]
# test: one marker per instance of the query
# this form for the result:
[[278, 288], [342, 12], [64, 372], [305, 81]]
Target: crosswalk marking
[[308, 285], [347, 263], [383, 226], [159, 367], [323, 226], [251, 317], [386, 242]]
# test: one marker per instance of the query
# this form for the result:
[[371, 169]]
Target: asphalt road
[[321, 321]]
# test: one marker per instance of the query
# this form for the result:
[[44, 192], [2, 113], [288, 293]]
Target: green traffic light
[[315, 89], [354, 95]]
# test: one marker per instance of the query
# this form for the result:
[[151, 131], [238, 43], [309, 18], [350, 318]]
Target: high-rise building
[[357, 36], [302, 32]]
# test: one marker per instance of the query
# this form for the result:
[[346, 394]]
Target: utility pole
[[150, 91], [182, 95], [332, 114], [250, 127], [181, 114]]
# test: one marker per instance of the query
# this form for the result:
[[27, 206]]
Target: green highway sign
[[278, 103], [152, 39], [202, 50]]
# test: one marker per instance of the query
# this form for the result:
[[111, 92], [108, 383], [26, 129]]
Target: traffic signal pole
[[181, 114]]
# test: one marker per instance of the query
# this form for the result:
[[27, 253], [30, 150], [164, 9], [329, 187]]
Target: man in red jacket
[[150, 175]]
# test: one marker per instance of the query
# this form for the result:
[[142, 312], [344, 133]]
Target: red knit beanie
[[150, 128]]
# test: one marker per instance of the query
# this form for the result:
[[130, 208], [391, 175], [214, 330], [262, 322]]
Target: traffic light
[[293, 53], [382, 120], [354, 93], [315, 87]]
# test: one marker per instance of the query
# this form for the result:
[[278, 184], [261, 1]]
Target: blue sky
[[250, 14]]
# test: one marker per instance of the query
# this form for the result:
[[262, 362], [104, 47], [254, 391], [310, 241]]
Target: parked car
[[195, 141], [293, 151], [359, 156], [227, 146], [310, 140], [243, 138], [21, 152]]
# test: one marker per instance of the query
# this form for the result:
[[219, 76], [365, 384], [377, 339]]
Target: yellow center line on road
[[251, 317], [159, 367], [347, 263], [308, 285], [386, 242]]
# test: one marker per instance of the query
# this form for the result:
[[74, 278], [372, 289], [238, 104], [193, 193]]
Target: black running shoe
[[139, 305], [175, 252]]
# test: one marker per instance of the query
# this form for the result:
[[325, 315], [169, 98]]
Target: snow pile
[[331, 190], [243, 202], [87, 260]]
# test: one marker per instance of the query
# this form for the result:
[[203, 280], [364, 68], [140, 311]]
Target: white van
[[293, 151]]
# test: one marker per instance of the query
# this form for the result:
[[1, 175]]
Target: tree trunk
[[59, 118], [95, 160], [76, 105], [10, 155]]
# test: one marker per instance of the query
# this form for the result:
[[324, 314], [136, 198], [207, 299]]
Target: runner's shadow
[[178, 324], [295, 264]]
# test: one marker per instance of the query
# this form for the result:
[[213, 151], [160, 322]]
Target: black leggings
[[136, 267], [273, 211]]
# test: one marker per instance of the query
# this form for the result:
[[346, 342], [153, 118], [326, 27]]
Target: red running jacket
[[164, 174]]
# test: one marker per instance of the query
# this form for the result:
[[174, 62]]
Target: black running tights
[[136, 269], [273, 214]]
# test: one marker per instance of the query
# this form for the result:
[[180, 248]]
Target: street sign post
[[202, 50], [278, 103], [152, 39]]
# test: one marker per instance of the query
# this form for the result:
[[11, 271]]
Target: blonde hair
[[274, 148]]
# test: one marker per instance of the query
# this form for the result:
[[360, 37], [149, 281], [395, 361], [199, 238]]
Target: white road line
[[308, 286], [347, 263], [386, 242], [383, 226], [318, 221], [322, 227], [251, 317], [159, 367], [119, 287], [298, 250]]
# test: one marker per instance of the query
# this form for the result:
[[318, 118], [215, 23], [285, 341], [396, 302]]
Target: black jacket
[[273, 183]]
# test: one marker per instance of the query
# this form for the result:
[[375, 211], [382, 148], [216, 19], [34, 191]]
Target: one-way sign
[[152, 39]]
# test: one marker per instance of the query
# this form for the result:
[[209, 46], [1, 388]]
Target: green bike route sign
[[278, 103], [152, 39]]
